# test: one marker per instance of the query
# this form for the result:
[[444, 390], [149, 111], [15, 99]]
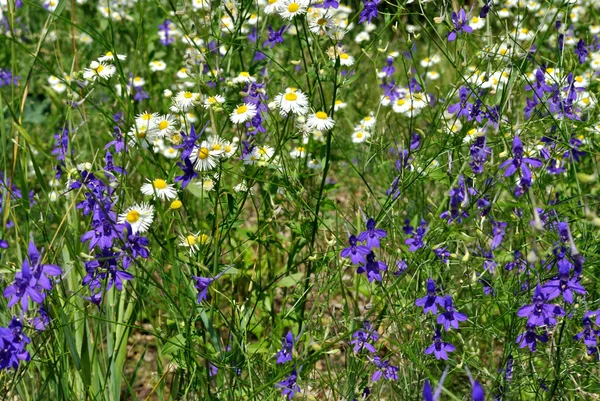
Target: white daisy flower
[[109, 56], [271, 8], [170, 152], [159, 189], [339, 105], [138, 82], [320, 121], [242, 113], [362, 37], [229, 148], [368, 122], [298, 152], [477, 23], [313, 163], [190, 241], [207, 184], [346, 60], [213, 101], [59, 87], [320, 24], [359, 136], [581, 81], [201, 4], [139, 216], [203, 158], [244, 77], [260, 155], [185, 100], [165, 125], [288, 9], [292, 101], [432, 75], [157, 65], [99, 70], [147, 119]]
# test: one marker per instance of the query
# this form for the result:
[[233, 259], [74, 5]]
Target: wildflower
[[372, 268], [530, 338], [402, 267], [461, 24], [203, 157], [384, 369], [31, 281], [416, 242], [288, 386], [202, 284], [431, 301], [110, 56], [563, 285], [292, 101], [242, 113], [362, 338], [438, 348], [356, 253], [288, 9], [99, 70], [12, 345], [213, 101], [520, 163], [320, 121], [450, 317], [185, 100], [139, 216], [275, 36], [372, 235], [193, 241], [540, 312], [498, 231], [287, 346], [42, 320], [160, 189], [369, 11]]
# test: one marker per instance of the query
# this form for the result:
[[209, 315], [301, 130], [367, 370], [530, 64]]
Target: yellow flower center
[[132, 216], [212, 100], [227, 148], [176, 139], [203, 153], [99, 69], [400, 102], [293, 7], [262, 151], [359, 134], [242, 109], [337, 102], [140, 134], [344, 56], [109, 54], [476, 19], [321, 115], [244, 74], [147, 116], [159, 184], [290, 97], [321, 22], [176, 204], [272, 1], [187, 95], [191, 240], [579, 79], [163, 125], [216, 146]]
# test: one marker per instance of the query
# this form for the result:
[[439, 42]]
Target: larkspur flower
[[12, 345], [530, 338], [356, 253], [460, 21], [384, 369], [439, 348], [430, 301], [564, 284], [372, 268], [450, 317], [540, 312], [363, 338], [287, 346], [372, 234], [288, 386]]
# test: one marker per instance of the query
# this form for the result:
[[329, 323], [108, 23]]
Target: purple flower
[[461, 24], [287, 346], [539, 312], [31, 281], [202, 284], [356, 253], [431, 301], [165, 38], [361, 338], [42, 320], [372, 234], [289, 386], [462, 108], [521, 164], [443, 254], [416, 242], [530, 338], [498, 230], [450, 317], [563, 285], [275, 36], [581, 51], [477, 392], [485, 9], [369, 11], [12, 345], [438, 348], [384, 369], [588, 335], [372, 268], [402, 267]]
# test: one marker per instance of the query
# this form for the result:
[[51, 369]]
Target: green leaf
[[174, 344], [290, 280]]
